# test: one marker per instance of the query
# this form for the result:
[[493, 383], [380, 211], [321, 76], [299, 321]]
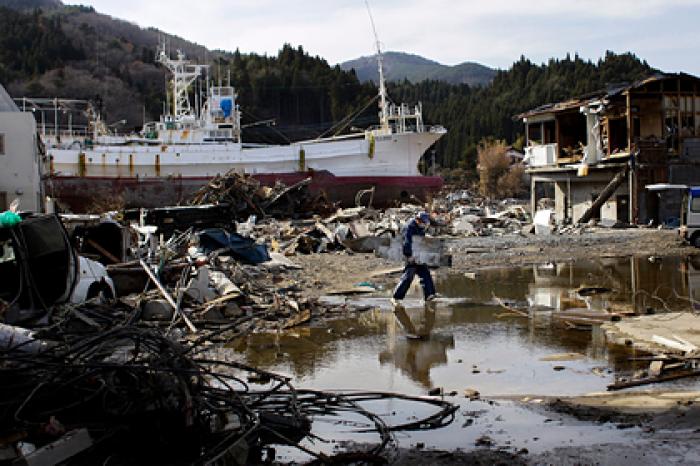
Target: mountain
[[399, 66], [48, 49], [31, 4], [75, 52]]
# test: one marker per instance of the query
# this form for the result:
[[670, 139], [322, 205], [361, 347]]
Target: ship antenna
[[383, 117]]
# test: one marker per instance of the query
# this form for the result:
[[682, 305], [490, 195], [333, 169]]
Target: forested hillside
[[471, 114], [75, 52]]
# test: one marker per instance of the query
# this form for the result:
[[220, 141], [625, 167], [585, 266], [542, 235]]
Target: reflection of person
[[424, 325], [417, 355], [416, 227]]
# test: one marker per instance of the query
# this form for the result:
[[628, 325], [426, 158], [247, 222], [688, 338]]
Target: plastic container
[[9, 219]]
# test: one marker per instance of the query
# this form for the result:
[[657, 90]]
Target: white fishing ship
[[173, 157]]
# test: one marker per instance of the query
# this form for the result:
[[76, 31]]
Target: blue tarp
[[226, 106], [242, 248]]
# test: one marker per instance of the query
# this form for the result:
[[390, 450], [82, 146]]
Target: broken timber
[[605, 195], [654, 379]]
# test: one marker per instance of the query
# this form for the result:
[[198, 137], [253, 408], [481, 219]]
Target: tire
[[100, 289], [695, 240]]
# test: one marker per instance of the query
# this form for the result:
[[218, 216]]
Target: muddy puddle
[[466, 343]]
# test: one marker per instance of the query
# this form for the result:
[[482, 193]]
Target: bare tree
[[497, 177]]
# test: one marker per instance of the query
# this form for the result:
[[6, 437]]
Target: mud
[[644, 428], [326, 272], [479, 457]]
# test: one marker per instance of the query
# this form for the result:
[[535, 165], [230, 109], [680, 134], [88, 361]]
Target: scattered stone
[[484, 441], [471, 393]]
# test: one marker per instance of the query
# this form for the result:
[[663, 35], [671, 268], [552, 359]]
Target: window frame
[[695, 206]]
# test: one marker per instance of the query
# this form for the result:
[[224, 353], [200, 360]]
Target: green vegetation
[[31, 44], [303, 94], [78, 53], [30, 5]]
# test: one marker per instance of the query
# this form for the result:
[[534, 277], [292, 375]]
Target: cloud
[[495, 32]]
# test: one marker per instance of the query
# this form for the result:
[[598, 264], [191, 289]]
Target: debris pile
[[245, 196], [671, 340], [149, 369]]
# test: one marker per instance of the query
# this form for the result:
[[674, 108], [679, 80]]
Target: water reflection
[[634, 284], [422, 349], [471, 345]]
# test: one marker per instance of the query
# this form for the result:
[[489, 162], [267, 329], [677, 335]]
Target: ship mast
[[184, 74], [383, 113]]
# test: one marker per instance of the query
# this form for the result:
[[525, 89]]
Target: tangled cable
[[135, 386]]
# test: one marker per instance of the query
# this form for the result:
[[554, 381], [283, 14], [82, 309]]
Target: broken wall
[[649, 116], [572, 134], [583, 194], [561, 202]]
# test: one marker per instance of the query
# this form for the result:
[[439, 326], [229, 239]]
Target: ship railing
[[405, 119], [53, 138]]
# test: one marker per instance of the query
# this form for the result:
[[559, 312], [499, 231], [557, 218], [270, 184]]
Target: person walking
[[415, 227]]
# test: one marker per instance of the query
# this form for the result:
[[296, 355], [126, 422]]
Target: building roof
[[6, 102], [557, 107], [612, 91]]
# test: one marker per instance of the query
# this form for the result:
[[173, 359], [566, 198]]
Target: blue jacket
[[412, 229]]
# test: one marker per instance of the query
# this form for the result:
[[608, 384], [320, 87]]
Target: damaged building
[[594, 155]]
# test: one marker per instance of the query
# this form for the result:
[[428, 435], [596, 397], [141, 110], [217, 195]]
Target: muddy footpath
[[331, 272]]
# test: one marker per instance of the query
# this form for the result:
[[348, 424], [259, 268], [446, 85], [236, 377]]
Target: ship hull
[[98, 177], [84, 194]]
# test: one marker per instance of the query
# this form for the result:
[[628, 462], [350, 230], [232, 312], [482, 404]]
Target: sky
[[492, 32]]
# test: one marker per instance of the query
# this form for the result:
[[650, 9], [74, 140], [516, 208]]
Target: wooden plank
[[650, 380], [103, 251], [573, 320], [62, 449], [673, 344], [628, 114], [510, 309], [298, 319]]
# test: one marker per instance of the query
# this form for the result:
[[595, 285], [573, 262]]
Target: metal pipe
[[167, 296]]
